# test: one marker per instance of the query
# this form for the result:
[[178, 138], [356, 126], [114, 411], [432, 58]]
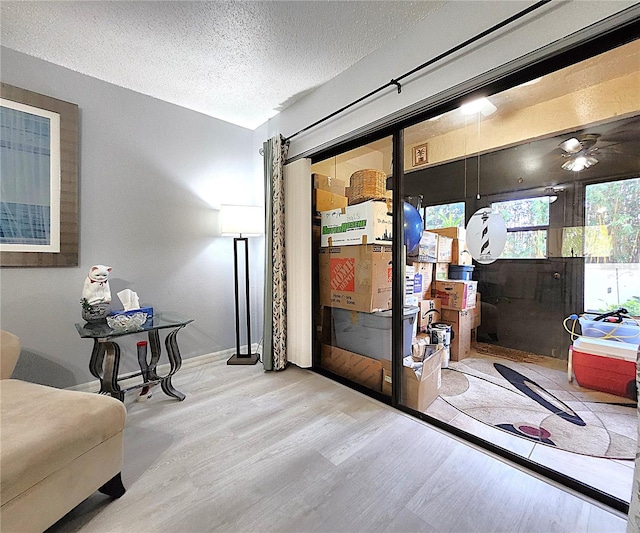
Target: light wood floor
[[294, 451]]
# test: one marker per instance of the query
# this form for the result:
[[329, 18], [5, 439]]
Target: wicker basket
[[367, 184]]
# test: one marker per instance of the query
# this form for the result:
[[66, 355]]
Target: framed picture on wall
[[38, 179], [420, 155]]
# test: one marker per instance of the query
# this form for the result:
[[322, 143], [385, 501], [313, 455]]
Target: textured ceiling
[[237, 61]]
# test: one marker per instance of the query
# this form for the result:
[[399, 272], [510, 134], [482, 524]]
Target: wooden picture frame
[[419, 155], [38, 132]]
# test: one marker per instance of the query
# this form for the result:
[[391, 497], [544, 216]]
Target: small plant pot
[[96, 312]]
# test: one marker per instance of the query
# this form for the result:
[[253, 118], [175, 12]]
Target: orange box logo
[[343, 275]]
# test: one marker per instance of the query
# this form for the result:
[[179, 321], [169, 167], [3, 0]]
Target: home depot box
[[605, 365], [457, 294], [445, 249], [326, 201], [329, 184], [441, 271], [358, 368], [417, 392], [461, 325], [427, 250], [355, 277], [429, 312], [365, 223]]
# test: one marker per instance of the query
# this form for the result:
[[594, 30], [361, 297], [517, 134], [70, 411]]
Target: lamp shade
[[244, 220]]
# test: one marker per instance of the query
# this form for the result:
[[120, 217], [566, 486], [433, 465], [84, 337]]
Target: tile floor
[[612, 476]]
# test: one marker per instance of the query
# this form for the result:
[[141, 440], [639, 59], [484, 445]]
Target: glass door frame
[[510, 75]]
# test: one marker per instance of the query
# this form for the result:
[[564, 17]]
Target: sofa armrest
[[9, 352]]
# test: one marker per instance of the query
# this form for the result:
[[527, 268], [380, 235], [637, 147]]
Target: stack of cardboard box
[[355, 275], [458, 298], [355, 289], [354, 266]]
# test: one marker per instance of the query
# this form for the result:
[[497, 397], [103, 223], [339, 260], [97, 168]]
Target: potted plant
[[94, 312]]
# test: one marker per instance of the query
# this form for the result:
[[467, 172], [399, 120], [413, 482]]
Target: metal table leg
[[111, 364], [96, 363], [175, 360]]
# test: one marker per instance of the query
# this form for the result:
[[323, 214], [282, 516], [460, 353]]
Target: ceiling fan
[[579, 152]]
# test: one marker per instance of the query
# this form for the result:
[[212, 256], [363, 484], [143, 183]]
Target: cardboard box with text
[[365, 223], [457, 294], [356, 277]]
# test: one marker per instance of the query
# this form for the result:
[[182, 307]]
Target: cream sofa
[[57, 447]]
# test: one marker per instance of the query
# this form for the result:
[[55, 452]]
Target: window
[[612, 246], [444, 215], [527, 222]]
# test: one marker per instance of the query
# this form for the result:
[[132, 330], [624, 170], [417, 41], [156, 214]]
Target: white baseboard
[[163, 369]]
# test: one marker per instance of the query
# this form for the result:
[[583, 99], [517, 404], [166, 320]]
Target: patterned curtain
[[274, 356]]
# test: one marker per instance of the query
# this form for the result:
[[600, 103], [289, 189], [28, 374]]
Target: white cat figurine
[[96, 286]]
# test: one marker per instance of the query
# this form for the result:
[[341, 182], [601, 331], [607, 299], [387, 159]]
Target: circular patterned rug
[[539, 404]]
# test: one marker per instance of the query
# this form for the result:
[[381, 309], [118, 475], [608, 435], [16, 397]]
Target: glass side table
[[105, 356]]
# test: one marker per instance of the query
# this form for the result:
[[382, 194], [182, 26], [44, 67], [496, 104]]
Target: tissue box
[[148, 310]]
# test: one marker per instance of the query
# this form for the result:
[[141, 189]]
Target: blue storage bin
[[626, 331], [463, 272]]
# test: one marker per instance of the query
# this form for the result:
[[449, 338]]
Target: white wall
[[451, 25], [150, 175]]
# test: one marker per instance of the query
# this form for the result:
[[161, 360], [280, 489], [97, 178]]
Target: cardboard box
[[451, 232], [355, 277], [418, 279], [477, 319], [358, 368], [329, 184], [445, 249], [365, 223], [461, 325], [441, 271], [425, 270], [326, 201], [409, 286], [460, 254], [429, 312], [417, 394], [457, 294], [427, 250]]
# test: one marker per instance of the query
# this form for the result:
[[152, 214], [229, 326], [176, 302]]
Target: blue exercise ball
[[412, 227]]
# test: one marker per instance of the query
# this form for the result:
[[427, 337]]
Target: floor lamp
[[242, 221]]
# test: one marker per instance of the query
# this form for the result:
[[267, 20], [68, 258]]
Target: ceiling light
[[571, 146], [579, 163], [481, 105]]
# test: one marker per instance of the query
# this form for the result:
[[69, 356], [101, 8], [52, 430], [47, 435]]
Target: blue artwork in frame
[[38, 179], [29, 178]]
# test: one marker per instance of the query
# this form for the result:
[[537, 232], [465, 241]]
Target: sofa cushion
[[42, 429]]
